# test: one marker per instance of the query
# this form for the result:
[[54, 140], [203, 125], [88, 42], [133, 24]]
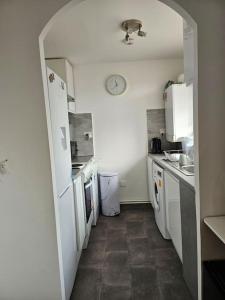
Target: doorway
[[193, 25]]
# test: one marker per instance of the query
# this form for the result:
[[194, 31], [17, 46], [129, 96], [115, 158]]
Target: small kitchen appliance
[[155, 146]]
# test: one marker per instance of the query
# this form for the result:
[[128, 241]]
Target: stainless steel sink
[[189, 169], [76, 165]]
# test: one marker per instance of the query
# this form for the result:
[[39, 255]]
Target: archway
[[172, 4]]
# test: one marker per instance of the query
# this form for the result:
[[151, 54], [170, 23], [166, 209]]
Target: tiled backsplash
[[155, 122], [79, 125]]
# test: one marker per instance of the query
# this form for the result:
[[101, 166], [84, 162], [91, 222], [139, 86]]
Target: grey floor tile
[[116, 234], [127, 258], [98, 233], [136, 229], [140, 252], [116, 244], [115, 293], [116, 258], [144, 276], [144, 283], [87, 284], [175, 291], [94, 255], [134, 215], [146, 293], [116, 275]]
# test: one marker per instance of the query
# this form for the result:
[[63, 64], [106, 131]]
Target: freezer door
[[68, 238], [60, 130]]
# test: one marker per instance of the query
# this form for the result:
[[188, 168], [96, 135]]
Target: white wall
[[120, 123]]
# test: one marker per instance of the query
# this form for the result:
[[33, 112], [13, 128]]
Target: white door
[[80, 212], [60, 130], [68, 238], [173, 214]]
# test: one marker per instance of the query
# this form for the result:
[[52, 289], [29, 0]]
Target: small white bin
[[109, 192]]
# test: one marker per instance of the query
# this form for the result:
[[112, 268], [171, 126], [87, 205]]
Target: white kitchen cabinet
[[173, 211], [189, 53], [79, 212], [64, 69], [179, 112], [150, 179]]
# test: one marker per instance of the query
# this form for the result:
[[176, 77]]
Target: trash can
[[109, 193]]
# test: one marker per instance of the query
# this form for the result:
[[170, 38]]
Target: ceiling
[[90, 32]]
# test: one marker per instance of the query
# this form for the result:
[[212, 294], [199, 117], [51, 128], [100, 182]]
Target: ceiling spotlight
[[128, 40], [140, 32], [131, 26]]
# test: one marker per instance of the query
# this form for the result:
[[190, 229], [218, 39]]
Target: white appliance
[[62, 161], [159, 200], [173, 213], [89, 201], [150, 180], [80, 213], [95, 194], [179, 112]]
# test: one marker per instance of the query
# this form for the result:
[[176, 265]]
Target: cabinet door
[[173, 213], [80, 212], [189, 238], [64, 70], [69, 79], [150, 180], [169, 115]]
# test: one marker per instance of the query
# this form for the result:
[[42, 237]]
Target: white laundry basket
[[109, 191]]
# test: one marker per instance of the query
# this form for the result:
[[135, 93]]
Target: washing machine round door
[[156, 197]]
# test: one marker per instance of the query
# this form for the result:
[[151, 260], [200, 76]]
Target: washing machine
[[159, 199]]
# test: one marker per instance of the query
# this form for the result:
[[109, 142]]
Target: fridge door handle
[[63, 137]]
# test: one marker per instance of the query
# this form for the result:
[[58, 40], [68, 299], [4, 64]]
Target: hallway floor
[[127, 258]]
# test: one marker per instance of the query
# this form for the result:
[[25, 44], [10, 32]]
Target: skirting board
[[134, 202]]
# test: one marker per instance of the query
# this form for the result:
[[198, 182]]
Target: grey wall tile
[[156, 121], [79, 124]]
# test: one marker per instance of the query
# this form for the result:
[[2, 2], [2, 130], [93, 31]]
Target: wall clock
[[116, 84]]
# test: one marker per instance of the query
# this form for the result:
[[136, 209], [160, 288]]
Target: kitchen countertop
[[82, 159], [190, 180]]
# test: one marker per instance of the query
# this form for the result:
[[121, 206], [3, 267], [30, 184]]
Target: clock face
[[116, 84]]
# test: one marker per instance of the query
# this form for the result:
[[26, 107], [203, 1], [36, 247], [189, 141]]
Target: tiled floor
[[128, 259]]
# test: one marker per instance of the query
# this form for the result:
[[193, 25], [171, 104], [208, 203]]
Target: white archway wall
[[212, 248], [27, 221]]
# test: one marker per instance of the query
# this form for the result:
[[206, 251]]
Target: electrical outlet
[[123, 183], [162, 131]]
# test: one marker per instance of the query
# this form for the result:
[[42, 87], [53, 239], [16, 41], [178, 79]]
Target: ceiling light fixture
[[131, 26]]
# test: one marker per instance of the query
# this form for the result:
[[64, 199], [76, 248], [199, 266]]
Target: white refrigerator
[[63, 169]]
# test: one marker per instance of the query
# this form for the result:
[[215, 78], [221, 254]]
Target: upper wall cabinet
[[64, 70], [189, 53], [179, 112]]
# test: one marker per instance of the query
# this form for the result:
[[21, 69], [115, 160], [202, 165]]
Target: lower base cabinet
[[189, 238], [173, 213]]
